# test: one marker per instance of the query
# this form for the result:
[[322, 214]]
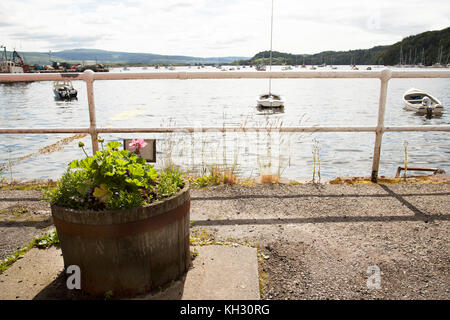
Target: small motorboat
[[422, 102], [64, 90], [270, 100]]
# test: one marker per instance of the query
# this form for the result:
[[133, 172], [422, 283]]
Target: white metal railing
[[89, 77]]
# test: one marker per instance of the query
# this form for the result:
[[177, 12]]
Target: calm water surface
[[228, 102]]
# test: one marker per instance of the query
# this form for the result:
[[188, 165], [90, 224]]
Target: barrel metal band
[[121, 229]]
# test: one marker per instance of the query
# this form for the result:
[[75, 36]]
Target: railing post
[[385, 76], [93, 122]]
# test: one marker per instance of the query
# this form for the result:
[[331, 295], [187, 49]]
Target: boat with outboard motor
[[422, 102], [64, 90]]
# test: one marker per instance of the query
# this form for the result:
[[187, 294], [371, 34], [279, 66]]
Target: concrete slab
[[31, 274], [217, 273]]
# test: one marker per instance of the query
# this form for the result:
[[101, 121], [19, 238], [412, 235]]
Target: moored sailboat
[[270, 99]]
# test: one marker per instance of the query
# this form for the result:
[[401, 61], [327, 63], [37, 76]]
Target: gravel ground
[[318, 241], [23, 216]]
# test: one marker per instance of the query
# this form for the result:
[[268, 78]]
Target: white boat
[[64, 90], [260, 67], [11, 65], [422, 102], [270, 100]]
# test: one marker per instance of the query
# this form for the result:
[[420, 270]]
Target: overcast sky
[[207, 28]]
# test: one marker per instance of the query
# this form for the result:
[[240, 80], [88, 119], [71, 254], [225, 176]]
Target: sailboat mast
[[270, 59], [401, 54]]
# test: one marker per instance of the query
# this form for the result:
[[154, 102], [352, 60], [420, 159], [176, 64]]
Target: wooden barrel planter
[[130, 251]]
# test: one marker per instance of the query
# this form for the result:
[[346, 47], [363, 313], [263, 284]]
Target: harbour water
[[228, 103]]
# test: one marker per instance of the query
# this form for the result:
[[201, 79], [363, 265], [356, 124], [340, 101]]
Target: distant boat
[[422, 102], [64, 90], [439, 58], [270, 100], [260, 67], [13, 65]]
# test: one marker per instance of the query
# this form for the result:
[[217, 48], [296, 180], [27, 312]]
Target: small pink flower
[[139, 143]]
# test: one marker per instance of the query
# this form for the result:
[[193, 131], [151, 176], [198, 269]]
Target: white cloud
[[214, 27]]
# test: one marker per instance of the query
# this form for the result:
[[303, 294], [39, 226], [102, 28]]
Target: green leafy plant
[[109, 294], [47, 240], [113, 179]]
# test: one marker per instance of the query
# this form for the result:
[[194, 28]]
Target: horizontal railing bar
[[224, 75], [239, 75], [223, 129], [29, 77], [45, 130], [239, 129], [420, 128], [420, 74]]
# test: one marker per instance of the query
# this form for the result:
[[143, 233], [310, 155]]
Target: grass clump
[[215, 177], [43, 242]]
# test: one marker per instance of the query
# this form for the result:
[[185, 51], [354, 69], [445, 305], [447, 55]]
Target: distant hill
[[429, 43], [434, 45], [118, 58]]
